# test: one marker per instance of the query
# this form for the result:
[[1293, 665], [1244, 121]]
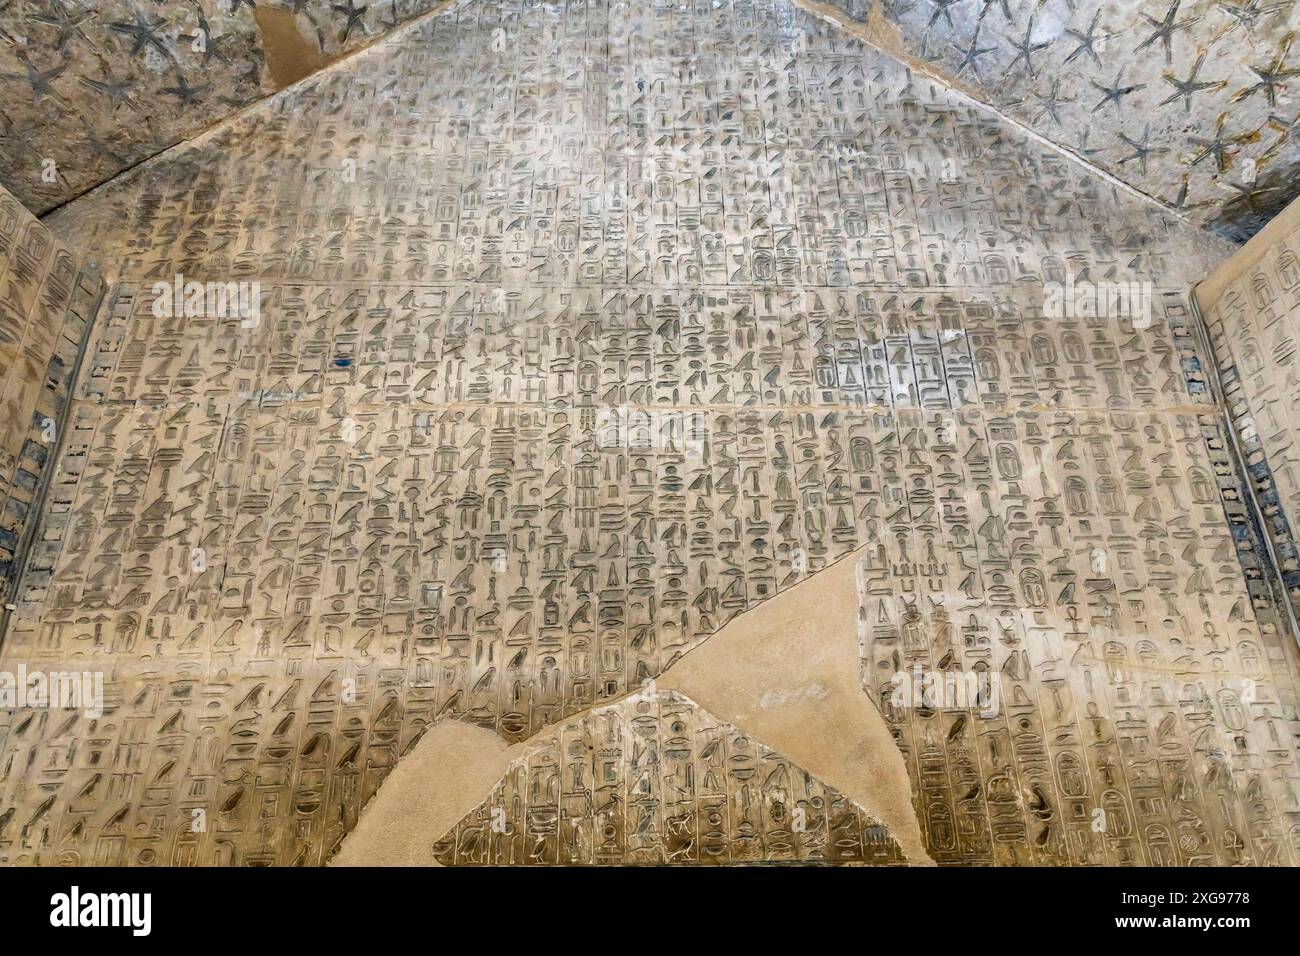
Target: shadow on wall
[[1253, 209]]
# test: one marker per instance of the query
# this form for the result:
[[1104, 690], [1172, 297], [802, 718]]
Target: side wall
[[47, 301], [1251, 308]]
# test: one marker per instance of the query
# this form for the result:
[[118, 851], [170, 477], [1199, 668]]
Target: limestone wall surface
[[608, 344], [1251, 308]]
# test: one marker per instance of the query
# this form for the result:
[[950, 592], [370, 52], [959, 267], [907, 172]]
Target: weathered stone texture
[[585, 331], [657, 780], [92, 87], [1251, 306]]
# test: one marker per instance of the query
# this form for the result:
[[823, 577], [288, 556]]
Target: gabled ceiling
[[1193, 102]]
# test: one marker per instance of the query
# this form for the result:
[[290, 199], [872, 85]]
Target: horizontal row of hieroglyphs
[[308, 605], [705, 349]]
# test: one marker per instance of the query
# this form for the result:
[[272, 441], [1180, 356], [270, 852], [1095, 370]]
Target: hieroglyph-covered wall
[[1251, 306], [572, 356]]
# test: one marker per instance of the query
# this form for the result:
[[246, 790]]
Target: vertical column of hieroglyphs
[[1252, 315], [1143, 706], [655, 779], [46, 304]]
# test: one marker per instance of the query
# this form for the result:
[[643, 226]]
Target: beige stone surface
[[1266, 243], [1192, 102], [657, 780], [47, 299], [92, 87], [1251, 308], [443, 778]]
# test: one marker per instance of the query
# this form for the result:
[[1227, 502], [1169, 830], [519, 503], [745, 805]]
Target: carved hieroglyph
[[46, 302], [786, 671], [1145, 713], [567, 355]]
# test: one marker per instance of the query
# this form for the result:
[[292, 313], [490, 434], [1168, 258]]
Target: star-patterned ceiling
[[89, 88], [1194, 102]]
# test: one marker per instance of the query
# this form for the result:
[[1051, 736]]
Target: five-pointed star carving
[[1142, 150], [117, 93], [211, 44], [1221, 147], [971, 55], [145, 32], [1166, 28], [1026, 48], [355, 15], [184, 92], [69, 25], [1271, 76], [1245, 14], [1115, 93], [1186, 89], [1052, 102], [41, 81], [1087, 41]]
